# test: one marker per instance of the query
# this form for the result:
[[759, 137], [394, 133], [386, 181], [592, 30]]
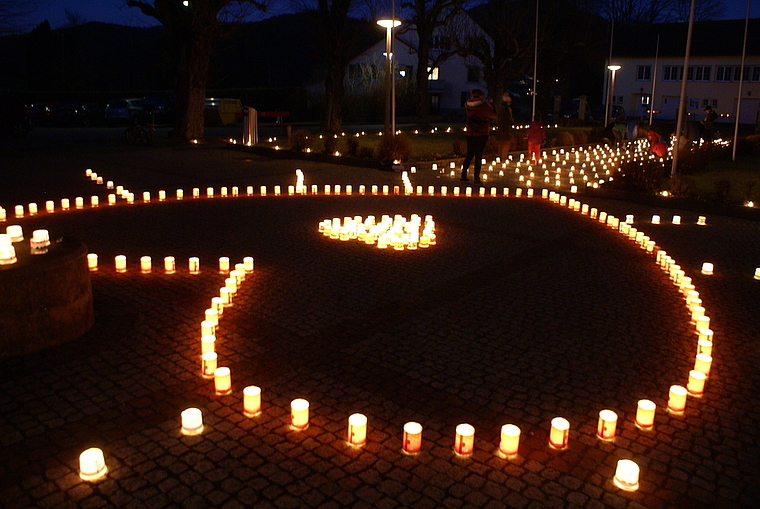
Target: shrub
[[722, 189], [680, 185], [646, 176], [366, 152], [300, 140], [492, 146], [580, 138], [394, 148], [352, 146], [331, 145], [459, 148], [564, 139]]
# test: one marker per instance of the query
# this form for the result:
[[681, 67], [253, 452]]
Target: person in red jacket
[[479, 115], [536, 136]]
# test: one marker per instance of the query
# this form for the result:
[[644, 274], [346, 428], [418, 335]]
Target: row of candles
[[397, 232], [38, 244], [92, 465]]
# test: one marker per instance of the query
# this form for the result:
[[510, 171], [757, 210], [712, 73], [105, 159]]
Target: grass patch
[[734, 182]]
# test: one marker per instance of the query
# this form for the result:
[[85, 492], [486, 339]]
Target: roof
[[709, 39]]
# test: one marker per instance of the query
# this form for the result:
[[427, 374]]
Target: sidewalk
[[523, 311]]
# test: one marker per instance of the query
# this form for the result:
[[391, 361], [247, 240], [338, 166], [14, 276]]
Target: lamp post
[[390, 79], [614, 68]]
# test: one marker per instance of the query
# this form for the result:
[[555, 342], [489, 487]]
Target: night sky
[[115, 11]]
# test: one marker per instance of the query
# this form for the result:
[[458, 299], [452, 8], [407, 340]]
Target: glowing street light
[[390, 81], [614, 68]]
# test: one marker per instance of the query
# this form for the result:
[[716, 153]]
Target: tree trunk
[[192, 79], [334, 92]]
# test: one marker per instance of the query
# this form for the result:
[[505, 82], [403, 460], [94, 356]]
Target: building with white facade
[[651, 78], [450, 78]]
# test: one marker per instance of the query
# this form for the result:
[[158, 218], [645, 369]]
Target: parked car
[[42, 111], [15, 117], [159, 107], [124, 111], [78, 114]]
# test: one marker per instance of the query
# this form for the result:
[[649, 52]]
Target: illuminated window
[[432, 73]]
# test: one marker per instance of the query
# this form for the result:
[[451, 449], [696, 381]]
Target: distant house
[[450, 78], [713, 74]]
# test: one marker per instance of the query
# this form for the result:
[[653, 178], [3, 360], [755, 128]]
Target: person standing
[[505, 121], [479, 115], [536, 136], [708, 125]]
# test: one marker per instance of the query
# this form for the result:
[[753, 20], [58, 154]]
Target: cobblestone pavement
[[523, 311]]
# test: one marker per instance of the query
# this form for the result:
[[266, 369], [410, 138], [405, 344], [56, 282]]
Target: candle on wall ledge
[[645, 412], [94, 201], [209, 192], [162, 195], [357, 429], [299, 414], [655, 219], [109, 184], [92, 262], [192, 421], [180, 194], [50, 206], [194, 265], [464, 442], [251, 401], [412, 441], [677, 399], [145, 264], [607, 425], [146, 196], [676, 219], [701, 220], [92, 464], [169, 265], [208, 364], [222, 381], [626, 475], [121, 263], [509, 444], [196, 192], [362, 189], [223, 192], [560, 433]]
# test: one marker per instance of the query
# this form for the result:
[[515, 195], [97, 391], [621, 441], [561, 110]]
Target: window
[[646, 99], [744, 75], [723, 73], [756, 74], [432, 73], [672, 73], [699, 73], [440, 42], [733, 73], [473, 74], [644, 73]]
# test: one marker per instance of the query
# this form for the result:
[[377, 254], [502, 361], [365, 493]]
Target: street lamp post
[[608, 110], [390, 79]]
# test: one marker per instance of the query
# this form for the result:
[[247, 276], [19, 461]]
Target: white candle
[[357, 429], [121, 263], [560, 432], [92, 262], [192, 421], [645, 412], [169, 265], [703, 362], [208, 344], [677, 399], [696, 384], [251, 401], [92, 464], [145, 264], [464, 442], [510, 440], [224, 265], [607, 424], [222, 381], [707, 269], [627, 475], [194, 265], [248, 263], [412, 437], [299, 414], [208, 364]]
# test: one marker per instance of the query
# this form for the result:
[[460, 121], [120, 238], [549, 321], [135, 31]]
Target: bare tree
[[191, 27], [74, 18], [15, 15], [426, 17], [655, 11]]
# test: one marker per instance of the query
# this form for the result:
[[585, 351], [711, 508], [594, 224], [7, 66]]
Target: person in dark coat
[[479, 115]]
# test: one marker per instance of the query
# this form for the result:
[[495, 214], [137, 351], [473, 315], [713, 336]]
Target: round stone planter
[[45, 299]]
